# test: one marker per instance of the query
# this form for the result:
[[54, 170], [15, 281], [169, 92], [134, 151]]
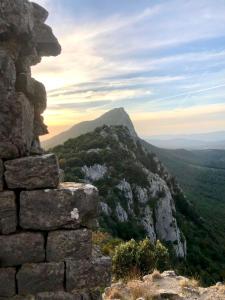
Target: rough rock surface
[[37, 278], [8, 212], [33, 172], [24, 40], [7, 282], [94, 172], [20, 248], [57, 296], [80, 295], [67, 244], [87, 273], [166, 285], [66, 207], [1, 175]]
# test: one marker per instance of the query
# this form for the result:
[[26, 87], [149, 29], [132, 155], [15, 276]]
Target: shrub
[[124, 259], [161, 256], [142, 256]]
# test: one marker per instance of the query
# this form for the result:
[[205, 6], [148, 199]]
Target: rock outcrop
[[166, 285], [45, 225], [136, 192]]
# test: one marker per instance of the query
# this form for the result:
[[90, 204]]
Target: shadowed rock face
[[24, 39]]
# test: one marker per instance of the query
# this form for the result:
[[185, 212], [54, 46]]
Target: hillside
[[202, 176], [200, 141], [139, 197], [137, 193], [203, 186], [117, 116]]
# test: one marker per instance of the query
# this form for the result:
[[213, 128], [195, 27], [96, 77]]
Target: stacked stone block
[[45, 225], [46, 240]]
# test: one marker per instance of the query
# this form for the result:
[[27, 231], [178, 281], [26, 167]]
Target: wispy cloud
[[143, 55]]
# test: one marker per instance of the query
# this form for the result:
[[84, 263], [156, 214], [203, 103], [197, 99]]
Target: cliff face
[[45, 225], [136, 191]]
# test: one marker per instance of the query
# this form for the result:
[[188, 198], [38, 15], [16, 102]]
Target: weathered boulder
[[8, 212], [88, 273], [66, 244], [1, 175], [65, 207], [7, 282], [37, 278], [20, 248], [16, 125], [32, 172]]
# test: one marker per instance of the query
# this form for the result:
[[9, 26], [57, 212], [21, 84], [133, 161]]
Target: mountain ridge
[[116, 116], [205, 240]]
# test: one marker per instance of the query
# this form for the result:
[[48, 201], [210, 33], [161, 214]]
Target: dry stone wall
[[45, 225]]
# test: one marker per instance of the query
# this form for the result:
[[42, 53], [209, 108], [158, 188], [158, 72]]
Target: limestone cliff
[[136, 191]]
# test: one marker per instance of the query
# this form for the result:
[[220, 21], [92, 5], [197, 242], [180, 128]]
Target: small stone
[[32, 172], [69, 244], [7, 282], [43, 277], [1, 175], [8, 212], [59, 208], [88, 273], [20, 248]]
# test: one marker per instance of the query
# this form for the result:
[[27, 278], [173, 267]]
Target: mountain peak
[[113, 117]]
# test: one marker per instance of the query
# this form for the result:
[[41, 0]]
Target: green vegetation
[[140, 257], [201, 174], [200, 214], [122, 155], [132, 258]]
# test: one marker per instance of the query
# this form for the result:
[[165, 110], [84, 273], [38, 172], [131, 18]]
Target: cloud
[[153, 57]]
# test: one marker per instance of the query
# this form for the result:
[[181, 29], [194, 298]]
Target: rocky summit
[[45, 224]]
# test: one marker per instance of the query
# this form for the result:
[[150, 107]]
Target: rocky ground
[[166, 285]]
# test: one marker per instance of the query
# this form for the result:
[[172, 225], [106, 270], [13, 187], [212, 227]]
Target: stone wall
[[45, 225]]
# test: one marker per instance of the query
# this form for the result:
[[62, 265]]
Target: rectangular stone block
[[88, 273], [21, 248], [16, 125], [43, 277], [32, 172], [59, 208], [7, 282], [69, 244], [1, 175], [8, 212]]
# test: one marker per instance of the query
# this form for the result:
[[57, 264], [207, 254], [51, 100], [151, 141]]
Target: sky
[[163, 61]]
